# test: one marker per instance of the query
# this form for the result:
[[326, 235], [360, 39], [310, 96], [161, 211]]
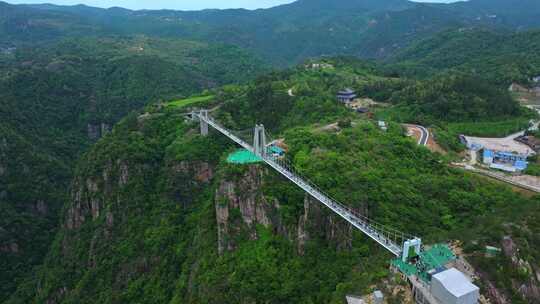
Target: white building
[[453, 287], [354, 300], [382, 125], [378, 297]]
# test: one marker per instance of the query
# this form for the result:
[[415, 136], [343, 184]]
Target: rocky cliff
[[242, 204], [164, 210], [156, 215], [528, 287]]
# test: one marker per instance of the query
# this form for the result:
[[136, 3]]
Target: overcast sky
[[176, 4]]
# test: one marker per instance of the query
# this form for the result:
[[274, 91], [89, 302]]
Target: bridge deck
[[382, 235]]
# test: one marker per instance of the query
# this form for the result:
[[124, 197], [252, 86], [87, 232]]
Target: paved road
[[290, 92], [424, 138]]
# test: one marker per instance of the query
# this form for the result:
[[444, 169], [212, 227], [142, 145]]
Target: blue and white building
[[506, 161], [504, 154]]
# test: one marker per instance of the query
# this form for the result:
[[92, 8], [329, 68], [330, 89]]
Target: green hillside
[[157, 215], [57, 101], [109, 195], [500, 57], [285, 34]]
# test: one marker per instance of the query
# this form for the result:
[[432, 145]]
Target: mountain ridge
[[285, 34]]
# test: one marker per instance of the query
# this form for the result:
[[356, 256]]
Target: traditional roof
[[346, 92]]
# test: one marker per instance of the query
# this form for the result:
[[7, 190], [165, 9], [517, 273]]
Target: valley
[[116, 186]]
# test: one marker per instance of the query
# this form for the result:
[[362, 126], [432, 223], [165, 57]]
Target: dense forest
[[284, 34], [154, 176], [57, 101], [148, 211], [452, 97], [500, 57]]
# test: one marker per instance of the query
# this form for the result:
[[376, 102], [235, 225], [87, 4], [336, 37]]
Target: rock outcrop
[[93, 131], [241, 205], [201, 172], [38, 208], [319, 222], [529, 288], [10, 248], [97, 131], [85, 203]]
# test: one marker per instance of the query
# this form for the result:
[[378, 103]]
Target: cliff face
[[96, 131], [242, 204], [101, 217], [521, 281], [31, 195], [156, 216], [150, 214], [89, 194], [529, 285]]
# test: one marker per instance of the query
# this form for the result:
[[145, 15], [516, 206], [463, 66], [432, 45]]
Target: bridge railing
[[389, 238]]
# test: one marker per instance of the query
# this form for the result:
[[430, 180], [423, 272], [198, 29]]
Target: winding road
[[424, 136]]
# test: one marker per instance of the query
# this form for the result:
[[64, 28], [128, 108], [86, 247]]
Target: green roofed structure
[[242, 157], [435, 258]]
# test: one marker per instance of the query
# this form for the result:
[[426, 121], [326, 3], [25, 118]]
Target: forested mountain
[[147, 211], [520, 14], [499, 57], [285, 34], [157, 215], [57, 101]]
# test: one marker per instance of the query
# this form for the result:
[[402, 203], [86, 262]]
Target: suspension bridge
[[397, 242]]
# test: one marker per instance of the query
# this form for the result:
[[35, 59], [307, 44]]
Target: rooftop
[[346, 92], [243, 157], [435, 257], [275, 149], [354, 300], [507, 144], [455, 282]]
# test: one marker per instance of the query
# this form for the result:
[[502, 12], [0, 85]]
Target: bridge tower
[[259, 141], [203, 118]]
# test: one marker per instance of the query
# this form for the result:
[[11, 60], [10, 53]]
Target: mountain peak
[[353, 4]]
